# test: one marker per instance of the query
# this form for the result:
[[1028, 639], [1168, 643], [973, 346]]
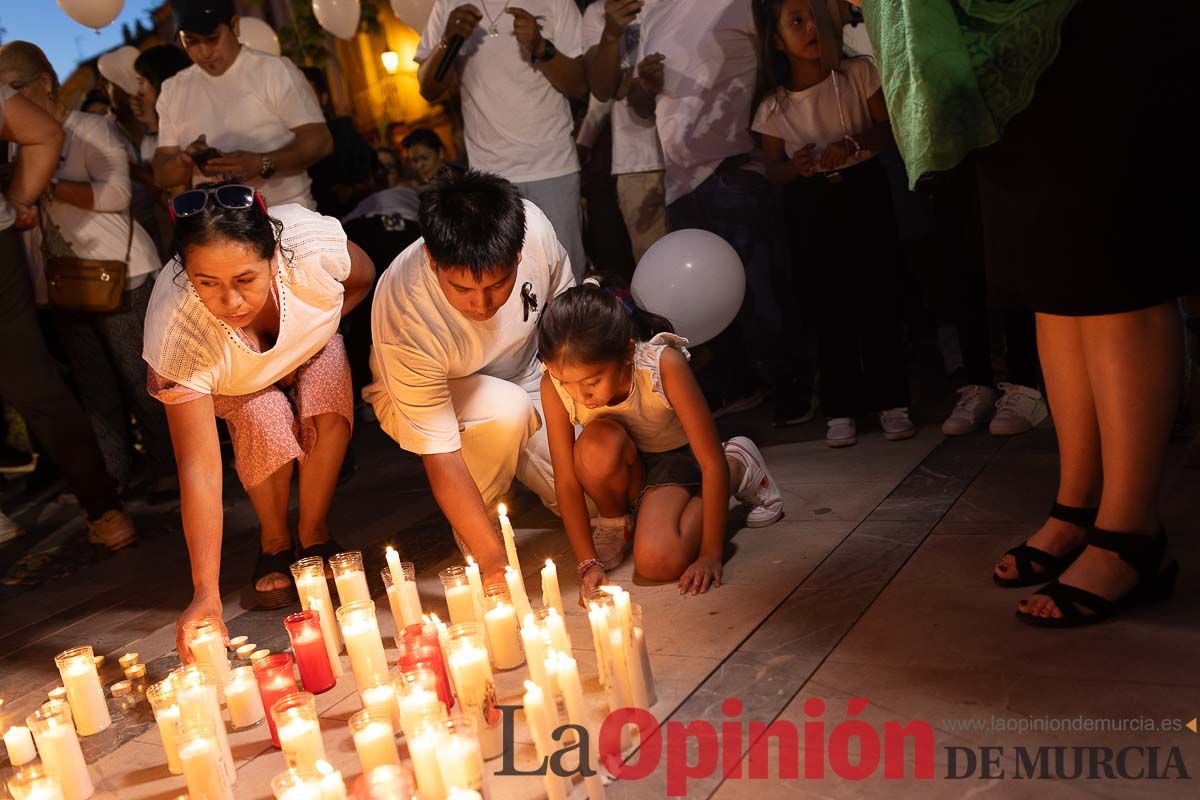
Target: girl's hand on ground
[[593, 579], [702, 575]]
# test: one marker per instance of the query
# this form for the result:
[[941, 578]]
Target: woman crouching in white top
[[243, 325]]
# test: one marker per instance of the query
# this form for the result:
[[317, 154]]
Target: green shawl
[[956, 71]]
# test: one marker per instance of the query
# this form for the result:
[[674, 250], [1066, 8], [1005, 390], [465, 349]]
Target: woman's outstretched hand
[[202, 605], [593, 579], [702, 575]]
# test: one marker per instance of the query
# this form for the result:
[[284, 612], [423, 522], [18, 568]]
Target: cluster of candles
[[441, 668]]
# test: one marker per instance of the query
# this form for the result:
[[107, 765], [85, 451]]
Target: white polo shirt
[[421, 342], [703, 112], [635, 146], [515, 122], [254, 106]]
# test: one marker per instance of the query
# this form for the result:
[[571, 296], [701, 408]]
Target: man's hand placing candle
[[206, 604]]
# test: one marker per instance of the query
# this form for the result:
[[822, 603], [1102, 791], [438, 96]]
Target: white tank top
[[646, 414]]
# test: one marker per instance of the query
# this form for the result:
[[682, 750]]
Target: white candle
[[535, 650], [599, 622], [84, 692], [19, 743], [333, 787], [393, 598], [423, 750], [196, 696], [418, 704], [476, 583], [243, 699], [329, 628], [501, 623], [352, 586], [572, 691], [62, 757], [167, 720], [363, 643], [551, 596], [619, 664], [374, 740], [460, 604], [510, 539], [200, 757], [557, 627], [410, 602], [516, 590], [380, 699], [473, 680], [644, 693], [208, 647], [461, 763], [393, 562], [463, 794], [300, 741], [538, 719]]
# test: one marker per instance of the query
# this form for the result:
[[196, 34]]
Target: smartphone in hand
[[202, 158]]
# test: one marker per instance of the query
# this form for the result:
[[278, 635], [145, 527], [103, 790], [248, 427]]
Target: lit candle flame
[[549, 562], [502, 509], [389, 550], [470, 561]]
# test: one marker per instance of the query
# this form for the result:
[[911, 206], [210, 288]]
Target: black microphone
[[456, 43]]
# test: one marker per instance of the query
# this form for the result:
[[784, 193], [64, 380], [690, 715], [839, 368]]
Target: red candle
[[275, 679], [308, 643], [420, 646]]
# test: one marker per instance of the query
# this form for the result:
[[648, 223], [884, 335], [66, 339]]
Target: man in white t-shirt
[[254, 109], [637, 158], [454, 326], [518, 64]]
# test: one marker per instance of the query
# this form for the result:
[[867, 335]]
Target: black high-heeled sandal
[[1025, 555], [272, 564], [1155, 582]]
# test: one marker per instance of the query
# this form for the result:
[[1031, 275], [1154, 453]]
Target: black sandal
[[325, 550], [1143, 553], [1025, 556], [274, 564]]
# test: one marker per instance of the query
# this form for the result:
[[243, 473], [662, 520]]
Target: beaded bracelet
[[587, 564]]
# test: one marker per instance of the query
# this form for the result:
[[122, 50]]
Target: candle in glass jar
[[19, 743], [535, 649], [297, 784], [459, 600], [599, 623], [275, 681], [206, 639], [476, 583], [472, 671], [500, 620], [516, 590], [510, 539], [243, 699], [459, 758], [572, 691], [333, 787], [299, 730], [537, 717], [417, 698], [196, 694], [308, 645], [84, 692], [166, 715], [380, 697], [404, 584], [58, 745], [374, 739], [309, 574], [200, 756], [349, 577], [556, 626], [363, 643], [33, 782], [423, 748], [551, 596]]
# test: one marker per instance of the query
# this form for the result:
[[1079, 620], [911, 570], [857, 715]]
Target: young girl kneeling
[[648, 443]]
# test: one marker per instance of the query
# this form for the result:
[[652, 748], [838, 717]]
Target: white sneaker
[[757, 491], [1019, 409], [9, 530], [840, 432], [975, 404], [896, 424], [610, 535]]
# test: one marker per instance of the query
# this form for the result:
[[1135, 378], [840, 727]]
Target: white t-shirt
[[96, 152], [253, 106], [703, 111], [7, 215], [515, 122], [635, 146], [421, 342], [185, 343], [811, 116]]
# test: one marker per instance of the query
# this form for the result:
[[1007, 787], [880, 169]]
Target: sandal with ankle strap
[[273, 564], [1025, 555], [1155, 582]]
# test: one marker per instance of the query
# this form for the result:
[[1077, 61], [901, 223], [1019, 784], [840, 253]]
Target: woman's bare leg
[[318, 477], [270, 501]]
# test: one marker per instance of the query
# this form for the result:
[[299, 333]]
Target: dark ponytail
[[250, 227], [593, 323]]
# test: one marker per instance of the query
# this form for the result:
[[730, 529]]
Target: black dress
[[1089, 200]]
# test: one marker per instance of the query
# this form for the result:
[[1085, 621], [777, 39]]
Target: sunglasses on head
[[234, 196]]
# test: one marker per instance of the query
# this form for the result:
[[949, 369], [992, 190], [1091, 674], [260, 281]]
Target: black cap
[[202, 16]]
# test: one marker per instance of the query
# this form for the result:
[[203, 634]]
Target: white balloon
[[117, 67], [693, 278], [255, 33], [339, 17], [92, 13], [413, 13]]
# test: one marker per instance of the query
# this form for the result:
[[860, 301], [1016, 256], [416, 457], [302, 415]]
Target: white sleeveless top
[[185, 343], [646, 414]]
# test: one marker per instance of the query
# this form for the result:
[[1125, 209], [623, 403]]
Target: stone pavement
[[875, 585]]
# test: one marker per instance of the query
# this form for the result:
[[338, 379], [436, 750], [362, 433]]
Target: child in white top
[[823, 121], [648, 442]]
